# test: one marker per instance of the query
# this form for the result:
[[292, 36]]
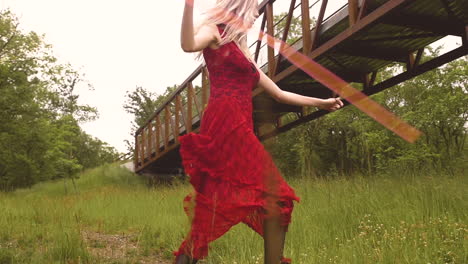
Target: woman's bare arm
[[191, 41], [286, 97]]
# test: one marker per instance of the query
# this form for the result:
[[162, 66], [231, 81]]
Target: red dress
[[234, 177]]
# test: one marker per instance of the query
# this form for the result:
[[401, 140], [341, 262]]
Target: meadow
[[110, 216]]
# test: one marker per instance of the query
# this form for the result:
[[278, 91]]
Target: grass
[[110, 216]]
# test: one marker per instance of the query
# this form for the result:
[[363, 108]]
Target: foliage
[[40, 137]]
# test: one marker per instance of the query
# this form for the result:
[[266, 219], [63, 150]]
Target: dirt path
[[123, 248]]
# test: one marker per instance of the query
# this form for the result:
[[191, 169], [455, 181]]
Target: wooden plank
[[183, 116], [260, 37], [149, 140], [158, 134], [142, 150], [284, 38], [195, 100], [353, 12], [178, 107], [167, 126], [306, 35], [190, 98], [270, 31], [318, 26]]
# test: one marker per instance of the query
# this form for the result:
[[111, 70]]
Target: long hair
[[237, 16]]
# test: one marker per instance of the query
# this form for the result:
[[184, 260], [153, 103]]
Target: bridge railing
[[182, 112]]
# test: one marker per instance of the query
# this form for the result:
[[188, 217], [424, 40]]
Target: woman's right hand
[[331, 104]]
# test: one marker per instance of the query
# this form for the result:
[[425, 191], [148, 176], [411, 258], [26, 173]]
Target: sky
[[118, 45]]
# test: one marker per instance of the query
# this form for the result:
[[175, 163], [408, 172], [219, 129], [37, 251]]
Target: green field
[[110, 216]]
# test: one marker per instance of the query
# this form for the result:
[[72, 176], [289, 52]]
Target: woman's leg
[[209, 222], [184, 259], [274, 237], [273, 230]]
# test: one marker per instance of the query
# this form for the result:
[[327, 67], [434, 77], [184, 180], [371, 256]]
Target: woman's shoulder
[[211, 29]]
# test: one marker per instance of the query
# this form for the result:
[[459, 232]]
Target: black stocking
[[273, 238]]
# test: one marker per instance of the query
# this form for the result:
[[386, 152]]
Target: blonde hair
[[237, 16]]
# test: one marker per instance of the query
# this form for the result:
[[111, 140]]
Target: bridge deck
[[355, 42]]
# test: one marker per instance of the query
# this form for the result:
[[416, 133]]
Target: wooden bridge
[[355, 42]]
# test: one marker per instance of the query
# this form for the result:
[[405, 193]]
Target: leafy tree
[[39, 111]]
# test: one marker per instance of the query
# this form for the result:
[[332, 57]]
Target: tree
[[39, 111]]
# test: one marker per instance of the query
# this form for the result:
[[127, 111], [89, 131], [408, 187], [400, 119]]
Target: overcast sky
[[118, 45]]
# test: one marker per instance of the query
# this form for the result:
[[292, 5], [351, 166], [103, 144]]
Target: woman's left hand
[[331, 104]]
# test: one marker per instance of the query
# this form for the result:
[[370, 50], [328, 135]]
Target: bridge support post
[[271, 32], [353, 11], [306, 36]]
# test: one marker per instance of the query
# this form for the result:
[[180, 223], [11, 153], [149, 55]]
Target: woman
[[234, 178]]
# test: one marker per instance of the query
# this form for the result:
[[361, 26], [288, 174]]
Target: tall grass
[[398, 219]]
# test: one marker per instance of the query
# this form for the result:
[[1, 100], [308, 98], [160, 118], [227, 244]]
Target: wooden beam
[[190, 98], [158, 134], [142, 150], [167, 125], [285, 33], [353, 11], [318, 25], [149, 140], [306, 35], [260, 37], [271, 32], [178, 107]]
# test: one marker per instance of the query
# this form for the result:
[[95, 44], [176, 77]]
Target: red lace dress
[[234, 177]]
